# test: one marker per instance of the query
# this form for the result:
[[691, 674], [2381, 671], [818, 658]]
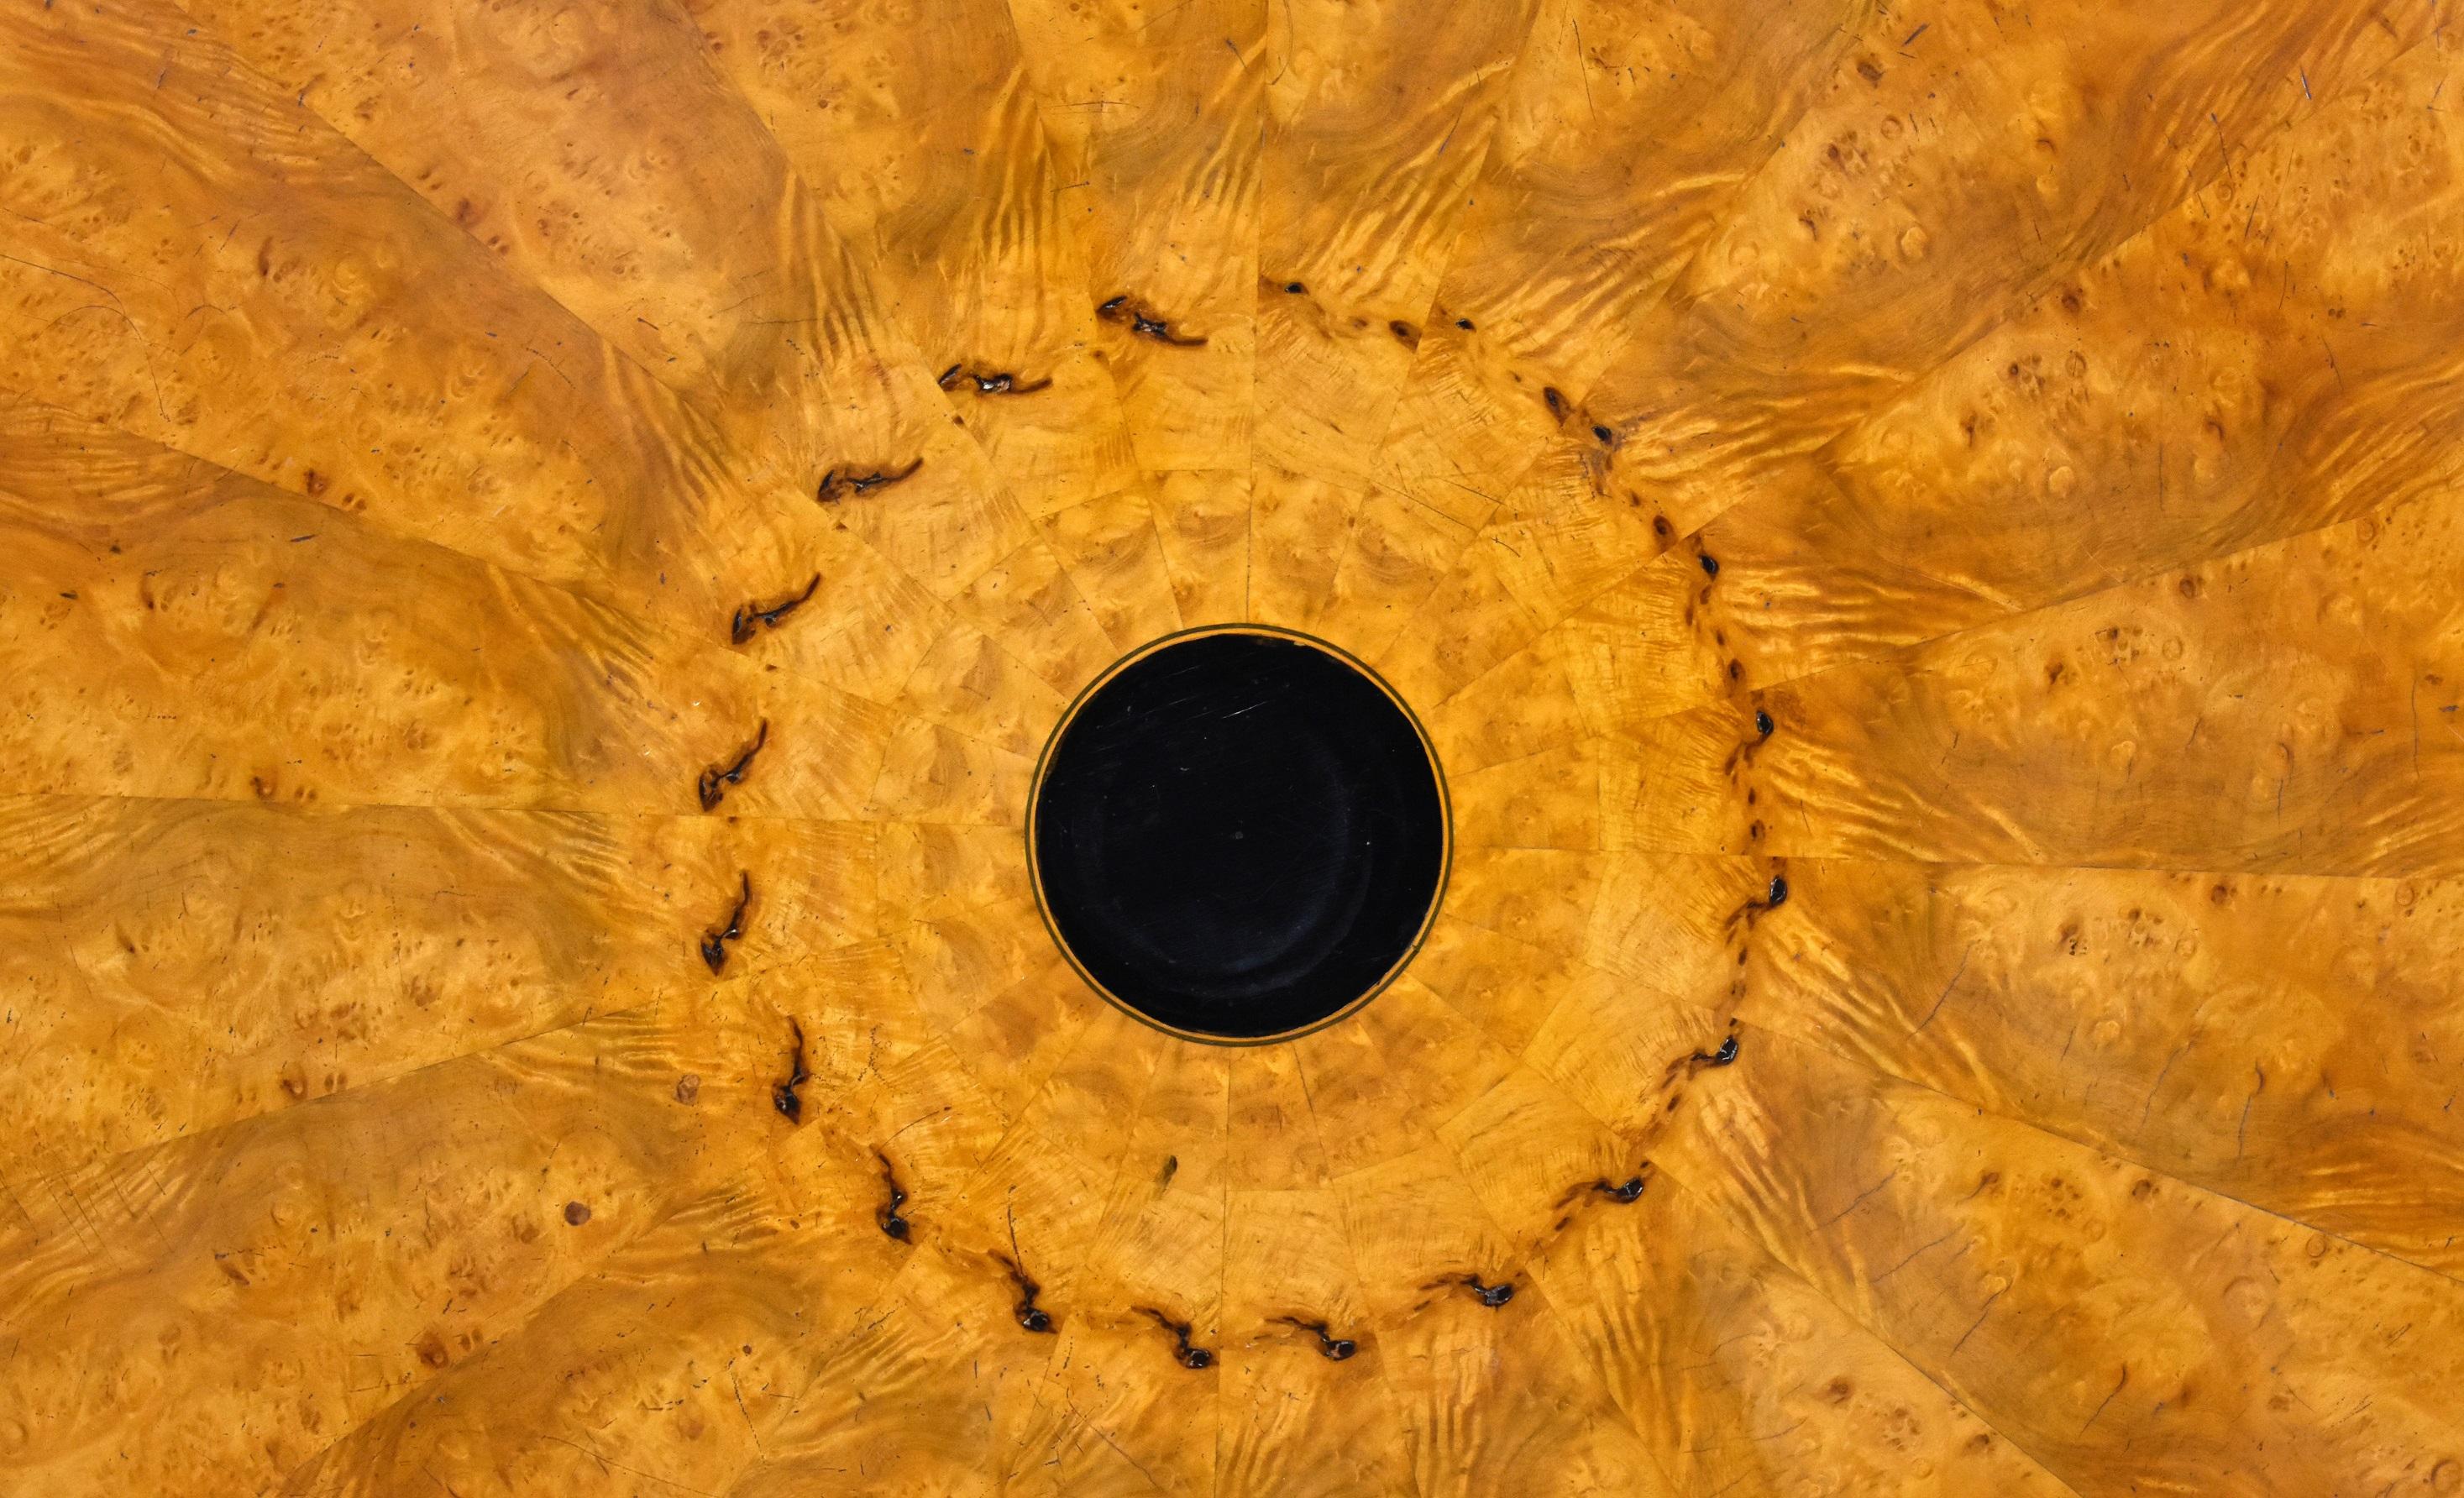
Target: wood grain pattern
[[543, 546], [1988, 1251]]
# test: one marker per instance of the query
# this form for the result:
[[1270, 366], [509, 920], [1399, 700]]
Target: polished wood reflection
[[542, 544]]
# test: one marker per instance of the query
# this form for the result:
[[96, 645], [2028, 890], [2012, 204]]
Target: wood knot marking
[[1333, 1349], [892, 1223], [1690, 1066], [1183, 1351], [1774, 897], [990, 382], [754, 613], [714, 942], [1743, 756], [1711, 565], [712, 787], [1490, 1295], [1629, 1191], [575, 1214], [1027, 1312], [1625, 1193], [1144, 323], [782, 1096], [1725, 1056], [837, 486]]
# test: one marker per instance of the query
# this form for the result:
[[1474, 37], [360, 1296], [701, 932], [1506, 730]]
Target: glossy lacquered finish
[[540, 547]]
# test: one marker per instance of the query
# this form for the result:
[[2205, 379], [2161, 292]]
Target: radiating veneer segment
[[1113, 547], [1298, 528], [1202, 525], [1148, 1274], [1456, 1162], [749, 1302], [2274, 355], [1042, 1192], [483, 114], [963, 961], [1630, 131], [1603, 974], [1014, 1038], [1394, 551], [2271, 357], [935, 775], [917, 130], [412, 1224], [1541, 896], [666, 218], [1741, 1377], [1377, 123], [886, 1082], [197, 260], [1292, 1417], [175, 966], [906, 1401], [275, 345], [879, 1336], [1732, 1371], [1551, 800], [884, 1336], [692, 470], [2287, 1041], [1153, 112], [634, 1367], [1365, 1082], [2289, 709], [1489, 1396], [942, 1344], [2118, 1326], [1910, 210], [1161, 1242], [1526, 706], [183, 631], [1954, 167]]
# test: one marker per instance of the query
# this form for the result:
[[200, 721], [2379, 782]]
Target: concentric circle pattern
[[544, 544]]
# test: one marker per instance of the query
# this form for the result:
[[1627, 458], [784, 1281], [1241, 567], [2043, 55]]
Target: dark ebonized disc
[[1238, 834]]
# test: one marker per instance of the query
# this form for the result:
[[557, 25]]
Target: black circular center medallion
[[1238, 834]]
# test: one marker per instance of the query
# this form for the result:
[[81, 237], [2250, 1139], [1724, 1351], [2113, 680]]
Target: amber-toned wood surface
[[541, 545]]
